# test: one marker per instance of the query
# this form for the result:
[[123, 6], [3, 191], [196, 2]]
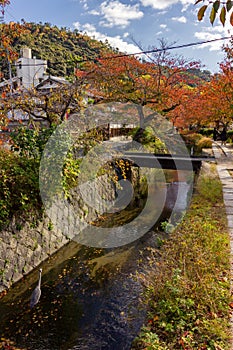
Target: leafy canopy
[[217, 7]]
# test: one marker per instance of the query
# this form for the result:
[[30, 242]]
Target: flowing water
[[90, 297]]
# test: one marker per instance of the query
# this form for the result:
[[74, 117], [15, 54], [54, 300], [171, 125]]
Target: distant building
[[51, 83], [9, 85], [30, 71]]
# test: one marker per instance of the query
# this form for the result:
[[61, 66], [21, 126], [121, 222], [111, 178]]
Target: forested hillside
[[202, 74], [61, 46]]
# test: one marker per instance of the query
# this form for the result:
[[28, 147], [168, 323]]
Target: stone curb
[[225, 162]]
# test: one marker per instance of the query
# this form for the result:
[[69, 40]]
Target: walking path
[[224, 164]]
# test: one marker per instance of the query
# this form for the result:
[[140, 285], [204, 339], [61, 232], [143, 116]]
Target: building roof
[[8, 82], [51, 82]]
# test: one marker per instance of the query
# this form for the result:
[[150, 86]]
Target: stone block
[[8, 275], [228, 196], [17, 276], [230, 221], [20, 263]]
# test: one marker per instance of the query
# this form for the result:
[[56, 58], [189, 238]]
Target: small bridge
[[167, 161]]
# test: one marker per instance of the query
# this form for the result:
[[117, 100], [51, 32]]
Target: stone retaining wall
[[24, 248]]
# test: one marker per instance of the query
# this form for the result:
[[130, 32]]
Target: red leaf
[[231, 19]]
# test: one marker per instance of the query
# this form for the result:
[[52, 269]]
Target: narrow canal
[[90, 297]]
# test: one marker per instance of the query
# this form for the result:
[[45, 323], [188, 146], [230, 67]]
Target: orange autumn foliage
[[125, 78]]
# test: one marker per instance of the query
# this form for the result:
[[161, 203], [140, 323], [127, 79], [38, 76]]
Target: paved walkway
[[224, 164]]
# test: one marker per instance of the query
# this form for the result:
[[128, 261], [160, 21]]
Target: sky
[[132, 25]]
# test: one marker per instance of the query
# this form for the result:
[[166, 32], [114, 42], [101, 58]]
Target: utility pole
[[10, 70]]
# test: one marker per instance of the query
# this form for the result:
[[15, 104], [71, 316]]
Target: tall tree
[[124, 78], [211, 103], [7, 35]]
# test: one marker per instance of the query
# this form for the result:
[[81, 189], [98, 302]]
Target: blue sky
[[123, 23]]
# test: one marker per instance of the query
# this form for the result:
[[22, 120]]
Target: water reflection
[[90, 298], [84, 302]]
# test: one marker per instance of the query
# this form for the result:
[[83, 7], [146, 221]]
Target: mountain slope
[[62, 47]]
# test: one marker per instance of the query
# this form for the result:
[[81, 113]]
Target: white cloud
[[162, 12], [85, 5], [205, 35], [163, 26], [77, 25], [181, 19], [186, 4], [114, 13], [84, 27], [94, 12], [158, 4], [115, 41], [163, 4], [88, 28], [215, 32]]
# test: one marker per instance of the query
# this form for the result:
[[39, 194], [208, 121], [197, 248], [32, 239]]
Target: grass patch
[[188, 286]]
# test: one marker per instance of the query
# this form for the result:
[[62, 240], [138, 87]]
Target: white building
[[30, 71]]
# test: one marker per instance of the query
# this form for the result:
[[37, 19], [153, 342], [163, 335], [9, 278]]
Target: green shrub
[[19, 170], [19, 186], [207, 132], [30, 143], [149, 140]]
